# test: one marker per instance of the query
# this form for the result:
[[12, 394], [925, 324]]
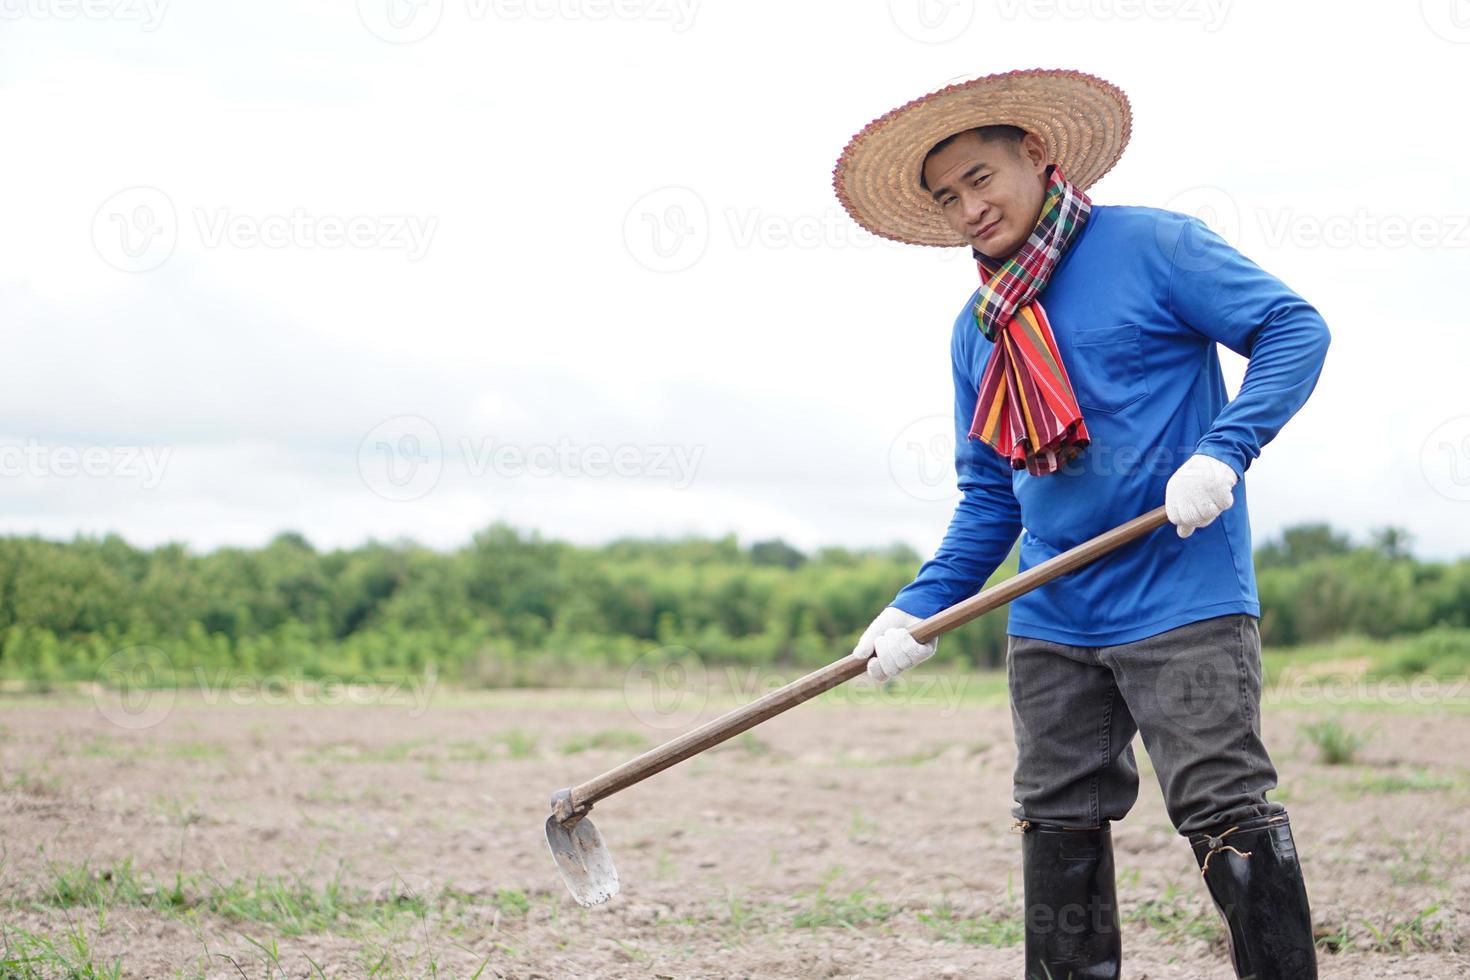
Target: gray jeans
[[1194, 692]]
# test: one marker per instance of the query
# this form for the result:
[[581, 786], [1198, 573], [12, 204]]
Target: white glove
[[1198, 492], [896, 648]]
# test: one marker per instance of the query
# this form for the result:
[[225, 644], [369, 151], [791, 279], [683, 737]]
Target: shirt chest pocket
[[1106, 368]]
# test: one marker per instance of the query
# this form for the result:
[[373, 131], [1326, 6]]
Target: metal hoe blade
[[577, 847]]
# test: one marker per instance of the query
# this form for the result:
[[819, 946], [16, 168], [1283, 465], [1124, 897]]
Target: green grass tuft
[[613, 739], [1335, 743], [980, 930]]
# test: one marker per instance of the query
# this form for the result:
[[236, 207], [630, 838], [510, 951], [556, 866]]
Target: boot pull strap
[[1217, 844]]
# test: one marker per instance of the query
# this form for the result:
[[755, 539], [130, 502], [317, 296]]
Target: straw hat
[[1084, 122]]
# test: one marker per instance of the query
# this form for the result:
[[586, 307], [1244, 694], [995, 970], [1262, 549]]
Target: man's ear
[[1034, 151]]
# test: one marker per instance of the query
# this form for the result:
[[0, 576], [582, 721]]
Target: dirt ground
[[228, 836]]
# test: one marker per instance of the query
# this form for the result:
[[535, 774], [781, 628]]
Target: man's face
[[990, 192]]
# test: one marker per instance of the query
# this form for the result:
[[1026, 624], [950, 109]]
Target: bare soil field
[[229, 837]]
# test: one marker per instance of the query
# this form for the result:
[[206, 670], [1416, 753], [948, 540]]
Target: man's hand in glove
[[1198, 493], [896, 648]]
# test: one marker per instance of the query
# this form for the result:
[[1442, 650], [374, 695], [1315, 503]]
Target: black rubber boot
[[1255, 880], [1072, 927]]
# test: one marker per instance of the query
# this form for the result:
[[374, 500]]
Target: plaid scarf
[[1026, 410]]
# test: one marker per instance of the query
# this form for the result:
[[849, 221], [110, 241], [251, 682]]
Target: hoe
[[580, 853]]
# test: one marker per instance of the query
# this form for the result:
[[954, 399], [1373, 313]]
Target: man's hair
[[987, 134]]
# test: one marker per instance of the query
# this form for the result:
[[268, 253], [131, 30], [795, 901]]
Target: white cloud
[[789, 354]]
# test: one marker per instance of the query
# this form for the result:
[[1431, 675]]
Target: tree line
[[511, 607]]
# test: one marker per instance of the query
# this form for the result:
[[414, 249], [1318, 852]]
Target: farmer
[[1088, 390]]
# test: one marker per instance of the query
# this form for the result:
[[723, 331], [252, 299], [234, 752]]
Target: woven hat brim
[[1084, 121]]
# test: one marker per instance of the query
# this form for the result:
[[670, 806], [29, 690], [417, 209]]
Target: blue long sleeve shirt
[[1137, 304]]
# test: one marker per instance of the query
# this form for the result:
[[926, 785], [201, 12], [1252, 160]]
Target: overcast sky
[[386, 269]]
